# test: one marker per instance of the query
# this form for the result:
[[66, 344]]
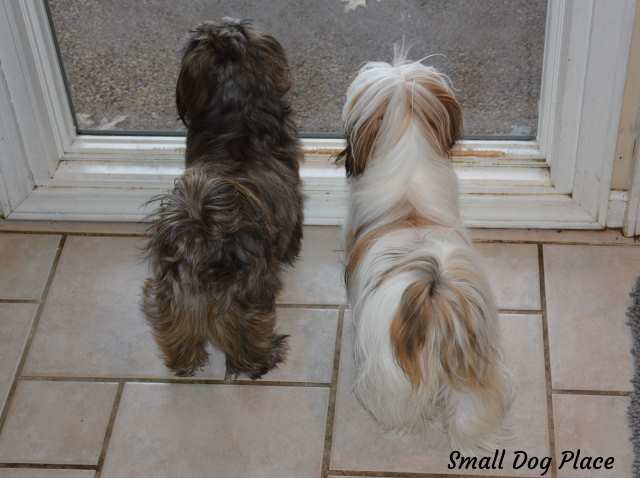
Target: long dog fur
[[218, 241], [427, 344]]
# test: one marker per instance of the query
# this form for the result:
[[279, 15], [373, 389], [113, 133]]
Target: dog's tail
[[197, 224], [444, 337], [204, 234]]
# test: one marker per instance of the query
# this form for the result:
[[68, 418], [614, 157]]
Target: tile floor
[[83, 393]]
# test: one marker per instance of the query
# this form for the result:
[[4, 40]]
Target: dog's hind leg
[[180, 331], [295, 240], [183, 348], [249, 341], [295, 244]]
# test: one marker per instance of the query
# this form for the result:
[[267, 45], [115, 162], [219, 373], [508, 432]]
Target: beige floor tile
[[40, 473], [15, 324], [229, 431], [25, 261], [75, 227], [317, 276], [312, 339], [597, 425], [57, 422], [514, 274], [360, 445], [92, 324], [587, 296]]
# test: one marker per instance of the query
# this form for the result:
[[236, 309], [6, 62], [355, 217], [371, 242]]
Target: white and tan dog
[[427, 344]]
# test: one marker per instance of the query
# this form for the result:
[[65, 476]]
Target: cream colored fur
[[407, 175]]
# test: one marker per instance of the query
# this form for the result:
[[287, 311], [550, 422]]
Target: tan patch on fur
[[459, 364], [359, 243], [433, 305], [365, 139], [422, 311], [440, 117], [409, 330]]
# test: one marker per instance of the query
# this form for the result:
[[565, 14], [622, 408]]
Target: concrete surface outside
[[121, 56]]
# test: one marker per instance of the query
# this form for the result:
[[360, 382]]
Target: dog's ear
[[442, 113], [455, 124], [274, 59], [195, 81], [361, 143], [352, 166]]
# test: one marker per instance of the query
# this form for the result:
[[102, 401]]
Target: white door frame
[[561, 180], [631, 224]]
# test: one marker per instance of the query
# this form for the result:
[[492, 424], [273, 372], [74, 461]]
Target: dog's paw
[[188, 368], [185, 372], [280, 349]]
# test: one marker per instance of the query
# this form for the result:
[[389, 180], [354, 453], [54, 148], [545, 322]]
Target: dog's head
[[226, 62], [386, 99]]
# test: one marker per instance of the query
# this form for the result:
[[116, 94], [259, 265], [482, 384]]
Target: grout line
[[47, 378], [373, 474], [85, 234], [19, 301], [557, 243], [331, 406], [167, 380], [32, 332], [399, 474], [109, 431], [47, 466], [627, 243], [520, 311], [279, 383], [547, 362], [346, 306], [170, 380], [309, 306], [602, 393]]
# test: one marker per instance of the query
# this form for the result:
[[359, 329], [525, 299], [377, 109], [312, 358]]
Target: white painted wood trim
[[136, 148], [114, 191], [602, 104], [16, 178], [16, 181], [51, 79], [586, 54], [561, 95], [35, 83], [617, 205], [631, 225], [475, 179], [554, 46], [325, 205]]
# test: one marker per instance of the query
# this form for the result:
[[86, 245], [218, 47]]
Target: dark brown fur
[[219, 240]]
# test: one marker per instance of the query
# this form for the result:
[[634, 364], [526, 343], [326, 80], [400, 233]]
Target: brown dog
[[219, 240]]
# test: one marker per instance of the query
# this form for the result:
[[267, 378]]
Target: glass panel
[[121, 56]]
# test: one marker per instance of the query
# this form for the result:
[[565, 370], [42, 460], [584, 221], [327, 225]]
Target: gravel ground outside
[[121, 56]]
